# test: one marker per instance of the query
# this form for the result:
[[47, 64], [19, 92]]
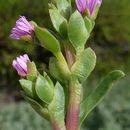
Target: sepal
[[31, 68], [89, 24]]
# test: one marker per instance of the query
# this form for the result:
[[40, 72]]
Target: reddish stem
[[69, 55], [73, 107]]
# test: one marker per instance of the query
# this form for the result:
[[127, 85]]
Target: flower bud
[[88, 7], [20, 64], [23, 30]]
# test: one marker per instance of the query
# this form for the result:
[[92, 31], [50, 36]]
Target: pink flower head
[[22, 28], [89, 4], [20, 64]]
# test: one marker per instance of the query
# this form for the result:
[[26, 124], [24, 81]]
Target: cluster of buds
[[57, 94]]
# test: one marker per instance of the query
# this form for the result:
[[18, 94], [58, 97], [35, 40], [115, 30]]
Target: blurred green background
[[111, 42]]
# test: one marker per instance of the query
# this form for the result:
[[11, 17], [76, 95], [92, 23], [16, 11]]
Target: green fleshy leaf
[[89, 24], [59, 71], [37, 107], [31, 78], [84, 65], [64, 8], [59, 23], [44, 90], [31, 68], [98, 94], [77, 31], [48, 40], [28, 87], [57, 106]]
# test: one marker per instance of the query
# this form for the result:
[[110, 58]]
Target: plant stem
[[58, 125], [69, 54], [73, 106]]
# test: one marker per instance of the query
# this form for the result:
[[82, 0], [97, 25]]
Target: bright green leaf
[[28, 87], [98, 94], [77, 31], [59, 22], [84, 65], [89, 24], [57, 106], [64, 8], [37, 107], [59, 71], [44, 90], [47, 39]]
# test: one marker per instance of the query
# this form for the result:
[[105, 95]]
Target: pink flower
[[22, 28], [20, 64], [89, 4]]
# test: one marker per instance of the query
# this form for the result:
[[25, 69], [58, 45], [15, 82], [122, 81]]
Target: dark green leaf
[[98, 94]]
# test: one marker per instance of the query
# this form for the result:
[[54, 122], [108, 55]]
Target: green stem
[[73, 106]]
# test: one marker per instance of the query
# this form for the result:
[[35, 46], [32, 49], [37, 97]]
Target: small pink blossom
[[22, 28], [20, 64], [89, 4]]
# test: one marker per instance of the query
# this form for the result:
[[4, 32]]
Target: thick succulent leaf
[[44, 90], [59, 23], [77, 31], [58, 71], [37, 107], [98, 94], [28, 87], [47, 39], [57, 106], [31, 78], [89, 24], [64, 8], [84, 65]]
